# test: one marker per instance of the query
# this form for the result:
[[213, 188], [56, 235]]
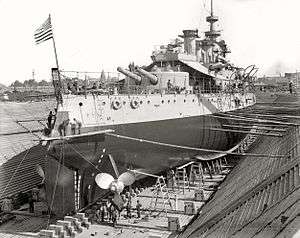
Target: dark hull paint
[[87, 155], [191, 131]]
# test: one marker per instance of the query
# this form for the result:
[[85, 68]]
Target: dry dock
[[235, 196]]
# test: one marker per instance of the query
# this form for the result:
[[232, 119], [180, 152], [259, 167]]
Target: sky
[[96, 35]]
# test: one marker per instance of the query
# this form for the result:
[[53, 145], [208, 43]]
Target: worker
[[35, 194], [138, 208], [113, 215], [128, 209], [78, 125], [173, 179], [75, 86], [169, 85], [102, 212], [73, 126], [50, 116], [31, 204], [98, 214], [176, 202], [62, 127], [193, 177], [6, 205], [291, 87]]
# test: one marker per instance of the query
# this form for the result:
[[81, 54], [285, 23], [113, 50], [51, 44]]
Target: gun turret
[[135, 77], [153, 79]]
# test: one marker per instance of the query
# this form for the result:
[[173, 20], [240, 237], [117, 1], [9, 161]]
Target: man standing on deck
[[291, 87], [62, 127], [128, 209], [138, 208], [73, 126], [78, 125], [49, 119]]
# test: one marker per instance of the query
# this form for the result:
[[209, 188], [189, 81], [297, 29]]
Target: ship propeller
[[107, 181]]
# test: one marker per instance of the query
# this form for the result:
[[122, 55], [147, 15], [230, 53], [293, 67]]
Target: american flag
[[44, 32]]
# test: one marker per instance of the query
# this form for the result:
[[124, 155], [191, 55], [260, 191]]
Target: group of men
[[75, 125], [108, 211]]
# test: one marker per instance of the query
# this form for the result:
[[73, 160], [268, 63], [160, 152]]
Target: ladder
[[182, 179], [160, 187], [197, 169]]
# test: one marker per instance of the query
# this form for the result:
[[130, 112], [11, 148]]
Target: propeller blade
[[103, 180], [127, 178], [113, 163]]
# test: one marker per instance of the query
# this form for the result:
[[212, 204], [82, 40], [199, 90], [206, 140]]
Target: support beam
[[264, 125], [186, 165], [285, 116], [237, 118], [256, 127], [247, 132]]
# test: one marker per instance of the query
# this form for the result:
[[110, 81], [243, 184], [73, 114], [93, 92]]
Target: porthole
[[174, 100], [168, 101], [184, 100], [141, 102], [193, 100], [162, 101], [148, 102], [80, 104]]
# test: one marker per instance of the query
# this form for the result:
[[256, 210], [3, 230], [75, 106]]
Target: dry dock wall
[[20, 151]]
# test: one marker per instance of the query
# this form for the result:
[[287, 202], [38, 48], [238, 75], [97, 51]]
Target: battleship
[[152, 118]]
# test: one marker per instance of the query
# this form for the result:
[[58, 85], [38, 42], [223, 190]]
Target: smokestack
[[189, 37]]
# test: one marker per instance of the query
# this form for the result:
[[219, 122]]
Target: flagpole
[[57, 65], [54, 46]]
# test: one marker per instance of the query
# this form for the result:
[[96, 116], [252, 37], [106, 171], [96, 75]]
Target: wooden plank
[[236, 203]]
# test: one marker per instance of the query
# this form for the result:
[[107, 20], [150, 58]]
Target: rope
[[190, 148], [82, 156], [55, 186], [11, 178]]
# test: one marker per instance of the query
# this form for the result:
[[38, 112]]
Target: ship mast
[[212, 34]]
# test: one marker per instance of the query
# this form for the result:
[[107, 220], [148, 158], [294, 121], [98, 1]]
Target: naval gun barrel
[[135, 77], [153, 79]]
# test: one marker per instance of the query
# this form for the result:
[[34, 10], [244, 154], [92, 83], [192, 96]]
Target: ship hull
[[89, 157], [152, 156]]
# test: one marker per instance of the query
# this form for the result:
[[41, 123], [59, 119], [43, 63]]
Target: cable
[[55, 186]]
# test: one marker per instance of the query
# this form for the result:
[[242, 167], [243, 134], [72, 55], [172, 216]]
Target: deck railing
[[110, 83]]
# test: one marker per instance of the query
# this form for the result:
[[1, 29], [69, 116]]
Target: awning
[[199, 67]]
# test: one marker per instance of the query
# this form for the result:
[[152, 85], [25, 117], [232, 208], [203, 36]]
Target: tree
[[30, 83], [17, 83], [43, 83]]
